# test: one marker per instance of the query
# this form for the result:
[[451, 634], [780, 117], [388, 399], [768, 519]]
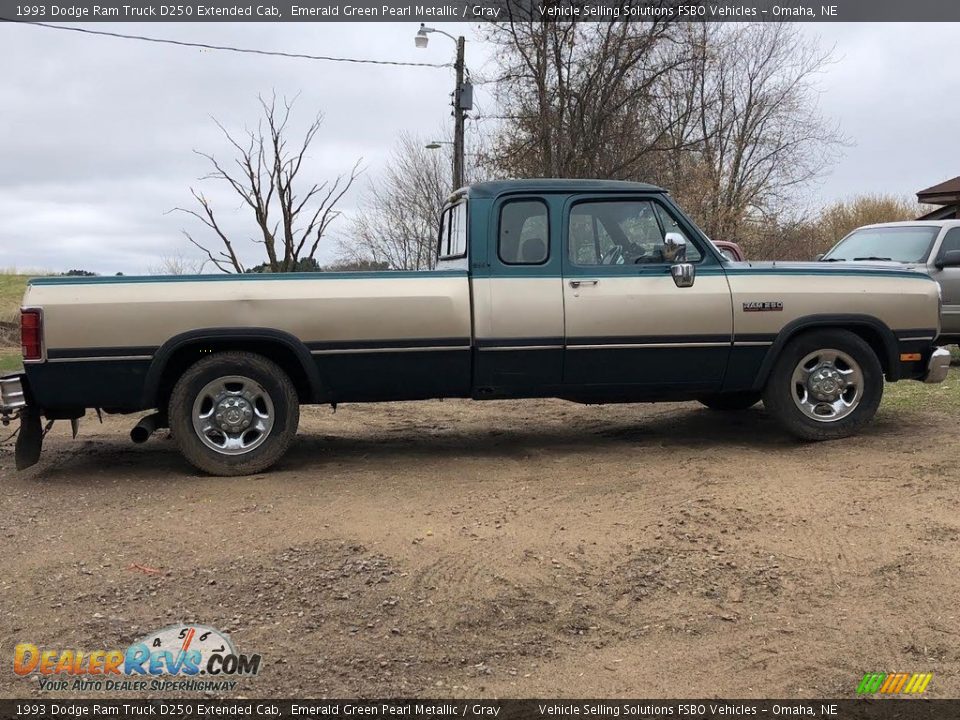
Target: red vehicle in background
[[730, 250]]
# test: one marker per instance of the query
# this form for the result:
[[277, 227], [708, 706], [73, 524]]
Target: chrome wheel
[[827, 385], [233, 415]]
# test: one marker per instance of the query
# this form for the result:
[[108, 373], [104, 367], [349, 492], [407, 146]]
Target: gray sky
[[96, 133]]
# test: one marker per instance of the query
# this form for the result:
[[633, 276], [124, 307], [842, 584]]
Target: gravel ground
[[538, 548]]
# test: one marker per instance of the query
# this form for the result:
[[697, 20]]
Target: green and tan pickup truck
[[590, 291]]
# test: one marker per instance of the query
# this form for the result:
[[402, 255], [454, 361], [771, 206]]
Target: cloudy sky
[[96, 133]]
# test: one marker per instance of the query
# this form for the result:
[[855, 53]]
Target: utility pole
[[459, 113], [462, 101]]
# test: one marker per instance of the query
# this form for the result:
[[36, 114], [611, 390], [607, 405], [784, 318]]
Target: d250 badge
[[763, 306]]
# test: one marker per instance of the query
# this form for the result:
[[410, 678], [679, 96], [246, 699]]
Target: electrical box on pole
[[466, 96]]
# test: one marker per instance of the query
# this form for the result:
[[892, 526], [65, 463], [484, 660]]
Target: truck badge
[[763, 306]]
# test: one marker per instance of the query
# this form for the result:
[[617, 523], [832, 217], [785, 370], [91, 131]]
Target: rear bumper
[[938, 366], [12, 395], [14, 404]]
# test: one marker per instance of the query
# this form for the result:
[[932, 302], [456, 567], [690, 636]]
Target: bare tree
[[292, 218], [746, 124], [573, 96], [178, 264], [399, 212], [723, 114]]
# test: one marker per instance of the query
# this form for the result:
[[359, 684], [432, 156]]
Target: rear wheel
[[234, 413], [730, 402], [826, 384]]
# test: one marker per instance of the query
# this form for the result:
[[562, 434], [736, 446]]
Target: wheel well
[[189, 353], [871, 336], [867, 333], [880, 339]]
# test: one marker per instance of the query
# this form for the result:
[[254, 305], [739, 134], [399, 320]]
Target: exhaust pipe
[[145, 428]]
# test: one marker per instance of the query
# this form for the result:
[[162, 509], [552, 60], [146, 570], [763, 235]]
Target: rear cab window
[[452, 244], [523, 236]]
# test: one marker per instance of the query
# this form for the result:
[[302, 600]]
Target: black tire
[[780, 392], [266, 447], [730, 402]]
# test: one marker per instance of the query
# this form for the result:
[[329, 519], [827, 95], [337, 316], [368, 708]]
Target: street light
[[421, 40], [462, 99], [422, 37], [435, 144]]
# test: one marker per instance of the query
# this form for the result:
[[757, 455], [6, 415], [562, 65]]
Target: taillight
[[31, 332]]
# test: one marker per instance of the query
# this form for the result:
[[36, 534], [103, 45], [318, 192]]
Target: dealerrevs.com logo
[[179, 657]]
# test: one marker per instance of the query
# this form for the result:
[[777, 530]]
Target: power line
[[250, 51]]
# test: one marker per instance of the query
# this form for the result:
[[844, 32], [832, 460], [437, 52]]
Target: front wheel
[[234, 413], [826, 384]]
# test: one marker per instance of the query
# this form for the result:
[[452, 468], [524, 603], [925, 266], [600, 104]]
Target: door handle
[[578, 283]]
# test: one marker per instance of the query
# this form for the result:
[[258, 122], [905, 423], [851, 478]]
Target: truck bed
[[406, 334]]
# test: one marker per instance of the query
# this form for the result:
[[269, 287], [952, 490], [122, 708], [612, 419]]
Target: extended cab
[[591, 291]]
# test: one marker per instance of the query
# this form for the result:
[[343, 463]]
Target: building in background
[[946, 195]]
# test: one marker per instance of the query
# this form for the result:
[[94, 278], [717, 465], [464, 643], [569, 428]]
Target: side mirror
[[683, 274], [674, 247], [951, 258], [819, 257]]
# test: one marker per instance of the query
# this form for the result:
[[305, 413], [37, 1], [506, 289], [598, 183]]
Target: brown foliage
[[782, 238]]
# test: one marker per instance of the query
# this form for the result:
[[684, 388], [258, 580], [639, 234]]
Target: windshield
[[906, 244]]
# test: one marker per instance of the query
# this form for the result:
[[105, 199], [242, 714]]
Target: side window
[[951, 241], [670, 224], [524, 237], [453, 232], [623, 232]]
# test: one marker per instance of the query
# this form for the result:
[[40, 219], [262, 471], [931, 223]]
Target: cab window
[[453, 232], [623, 232], [951, 241], [524, 234]]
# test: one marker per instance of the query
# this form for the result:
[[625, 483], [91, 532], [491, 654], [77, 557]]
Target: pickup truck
[[588, 290], [930, 246]]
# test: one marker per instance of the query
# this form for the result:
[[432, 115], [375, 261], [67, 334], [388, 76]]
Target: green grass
[[10, 359], [911, 395]]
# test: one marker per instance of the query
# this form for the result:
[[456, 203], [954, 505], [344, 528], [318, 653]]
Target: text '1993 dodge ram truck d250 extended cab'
[[591, 291]]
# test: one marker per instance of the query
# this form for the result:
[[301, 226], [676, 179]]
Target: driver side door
[[627, 324]]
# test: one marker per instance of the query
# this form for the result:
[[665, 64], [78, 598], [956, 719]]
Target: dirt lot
[[510, 549]]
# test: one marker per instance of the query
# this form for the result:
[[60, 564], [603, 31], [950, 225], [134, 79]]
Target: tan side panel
[[148, 314], [518, 307], [901, 303], [638, 306]]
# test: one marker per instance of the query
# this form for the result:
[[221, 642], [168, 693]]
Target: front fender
[[879, 329]]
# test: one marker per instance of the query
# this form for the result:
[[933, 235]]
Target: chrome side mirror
[[683, 274], [674, 247]]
